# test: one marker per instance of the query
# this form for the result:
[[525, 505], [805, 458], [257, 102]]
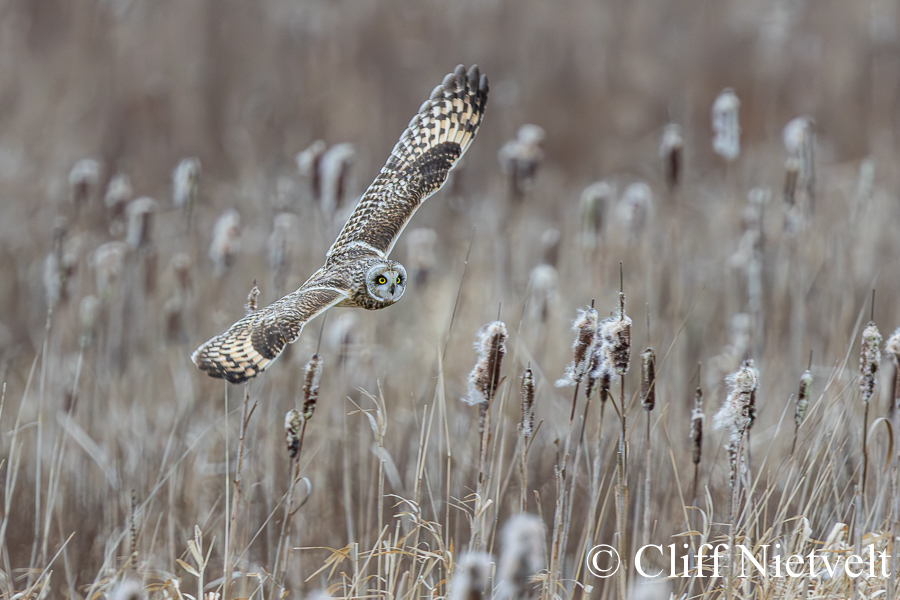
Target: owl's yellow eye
[[398, 280], [382, 280]]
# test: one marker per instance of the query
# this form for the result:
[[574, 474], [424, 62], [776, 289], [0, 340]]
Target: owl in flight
[[357, 271]]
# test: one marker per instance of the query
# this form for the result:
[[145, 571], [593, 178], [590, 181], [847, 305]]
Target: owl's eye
[[382, 280], [398, 280]]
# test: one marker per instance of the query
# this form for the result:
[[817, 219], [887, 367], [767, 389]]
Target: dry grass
[[123, 467]]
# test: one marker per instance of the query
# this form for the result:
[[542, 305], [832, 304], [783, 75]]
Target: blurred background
[[110, 432]]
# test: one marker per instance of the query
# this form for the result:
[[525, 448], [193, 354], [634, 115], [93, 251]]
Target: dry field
[[126, 472]]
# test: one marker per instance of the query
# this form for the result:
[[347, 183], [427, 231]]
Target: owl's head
[[386, 281]]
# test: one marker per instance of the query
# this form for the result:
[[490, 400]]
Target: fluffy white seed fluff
[[470, 576], [869, 361], [490, 346], [726, 126], [522, 556], [586, 325], [186, 182], [226, 240]]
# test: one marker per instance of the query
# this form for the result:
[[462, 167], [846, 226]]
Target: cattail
[[139, 214], [527, 403], [799, 137], [252, 298], [173, 319], [186, 185], [791, 174], [738, 411], [83, 180], [726, 127], [421, 259], [550, 246], [892, 347], [118, 193], [226, 241], [635, 206], [520, 158], [671, 150], [308, 166], [88, 311], [490, 344], [802, 398], [470, 577], [293, 423], [600, 367], [596, 199], [181, 267], [648, 379], [697, 418], [311, 385], [586, 325], [281, 244], [127, 589], [869, 360], [109, 260], [865, 183], [544, 286], [334, 167], [617, 338], [53, 279], [522, 557]]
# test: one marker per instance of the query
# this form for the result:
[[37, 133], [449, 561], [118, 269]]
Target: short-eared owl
[[357, 271]]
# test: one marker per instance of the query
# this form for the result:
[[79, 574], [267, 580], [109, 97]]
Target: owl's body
[[357, 271]]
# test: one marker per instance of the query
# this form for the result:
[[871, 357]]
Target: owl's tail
[[242, 352]]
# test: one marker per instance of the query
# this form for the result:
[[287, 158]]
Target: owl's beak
[[392, 289]]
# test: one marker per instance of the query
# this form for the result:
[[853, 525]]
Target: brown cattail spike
[[803, 397], [671, 149], [490, 345], [522, 557], [586, 326], [617, 335], [527, 403], [869, 360], [648, 379], [293, 422], [697, 418], [311, 386]]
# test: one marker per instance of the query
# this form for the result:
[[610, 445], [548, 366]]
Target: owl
[[357, 271]]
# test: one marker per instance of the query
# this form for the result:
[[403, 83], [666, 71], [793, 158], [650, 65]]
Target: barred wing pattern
[[250, 345], [435, 140]]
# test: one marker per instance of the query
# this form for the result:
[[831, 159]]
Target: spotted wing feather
[[431, 146], [253, 343]]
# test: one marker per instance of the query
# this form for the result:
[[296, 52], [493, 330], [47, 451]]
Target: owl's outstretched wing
[[435, 140], [253, 343]]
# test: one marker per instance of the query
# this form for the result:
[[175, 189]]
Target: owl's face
[[386, 282]]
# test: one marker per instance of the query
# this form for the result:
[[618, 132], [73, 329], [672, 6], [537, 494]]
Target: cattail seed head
[[550, 240], [490, 345], [596, 200], [791, 174], [799, 137], [697, 418], [544, 286], [181, 267], [109, 261], [803, 397], [738, 411], [83, 180], [139, 214], [892, 346], [617, 336], [226, 241], [88, 311], [520, 157], [522, 556], [586, 325], [635, 207], [865, 183], [252, 298], [308, 166], [293, 423], [671, 150], [334, 169], [648, 379], [869, 361], [726, 126], [527, 403], [600, 365], [470, 577], [118, 193], [311, 385], [186, 183]]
